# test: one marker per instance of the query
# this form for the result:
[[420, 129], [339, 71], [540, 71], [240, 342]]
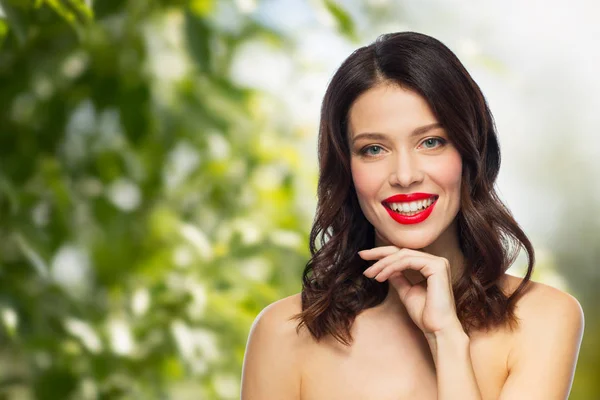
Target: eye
[[429, 143], [365, 150]]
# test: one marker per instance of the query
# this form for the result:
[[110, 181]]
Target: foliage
[[148, 204], [151, 206]]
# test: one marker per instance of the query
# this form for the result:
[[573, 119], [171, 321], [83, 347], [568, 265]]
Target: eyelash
[[364, 150]]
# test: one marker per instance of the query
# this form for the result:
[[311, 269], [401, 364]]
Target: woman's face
[[405, 154]]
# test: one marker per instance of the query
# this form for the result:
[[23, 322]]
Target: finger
[[443, 283], [387, 250], [377, 267], [401, 263], [401, 284], [405, 289], [374, 269], [384, 251], [377, 252], [429, 264]]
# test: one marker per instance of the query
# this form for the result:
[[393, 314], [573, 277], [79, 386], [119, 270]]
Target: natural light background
[[536, 63], [158, 172]]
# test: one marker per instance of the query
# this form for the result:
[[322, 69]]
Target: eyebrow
[[380, 136]]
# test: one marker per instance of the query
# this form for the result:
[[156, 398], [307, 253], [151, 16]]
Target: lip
[[403, 198], [413, 219]]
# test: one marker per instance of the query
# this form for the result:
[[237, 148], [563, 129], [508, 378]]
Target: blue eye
[[431, 141], [366, 149]]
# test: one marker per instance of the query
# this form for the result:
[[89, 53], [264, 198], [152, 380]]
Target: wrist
[[453, 330], [452, 344], [454, 335]]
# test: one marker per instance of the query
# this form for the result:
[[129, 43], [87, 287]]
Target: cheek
[[454, 174], [450, 172], [447, 172], [366, 180], [359, 177], [366, 184]]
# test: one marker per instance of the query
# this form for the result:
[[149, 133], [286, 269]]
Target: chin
[[414, 244], [412, 240]]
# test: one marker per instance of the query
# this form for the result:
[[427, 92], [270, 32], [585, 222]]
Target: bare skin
[[414, 348], [390, 358]]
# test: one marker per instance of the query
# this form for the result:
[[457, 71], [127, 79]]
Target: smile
[[410, 212]]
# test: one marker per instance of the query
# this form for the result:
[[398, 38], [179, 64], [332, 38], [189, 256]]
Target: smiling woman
[[410, 156], [406, 295]]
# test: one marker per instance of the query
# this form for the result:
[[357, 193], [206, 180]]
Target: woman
[[407, 296]]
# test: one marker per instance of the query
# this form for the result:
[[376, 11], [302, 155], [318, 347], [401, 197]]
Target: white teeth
[[411, 206]]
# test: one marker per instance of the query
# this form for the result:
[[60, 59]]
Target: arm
[[271, 361], [454, 368], [542, 361], [544, 356]]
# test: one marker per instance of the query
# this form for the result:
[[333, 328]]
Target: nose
[[406, 170]]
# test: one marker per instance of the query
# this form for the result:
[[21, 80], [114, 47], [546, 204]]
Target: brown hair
[[334, 288]]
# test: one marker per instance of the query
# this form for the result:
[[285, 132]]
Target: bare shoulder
[[551, 324], [277, 320], [272, 361], [539, 299], [282, 310]]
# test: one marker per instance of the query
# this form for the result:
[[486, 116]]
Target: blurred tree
[[147, 204]]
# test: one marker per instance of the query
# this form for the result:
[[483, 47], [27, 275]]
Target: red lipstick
[[404, 198]]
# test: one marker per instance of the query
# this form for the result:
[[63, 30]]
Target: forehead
[[388, 108]]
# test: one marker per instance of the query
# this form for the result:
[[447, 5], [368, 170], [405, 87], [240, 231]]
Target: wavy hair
[[334, 289]]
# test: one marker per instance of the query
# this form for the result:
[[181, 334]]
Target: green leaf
[[15, 18], [202, 7], [343, 19], [3, 31], [32, 256], [198, 37]]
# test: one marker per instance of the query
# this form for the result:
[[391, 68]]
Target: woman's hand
[[432, 308]]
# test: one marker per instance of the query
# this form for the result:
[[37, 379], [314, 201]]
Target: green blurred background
[[158, 173]]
